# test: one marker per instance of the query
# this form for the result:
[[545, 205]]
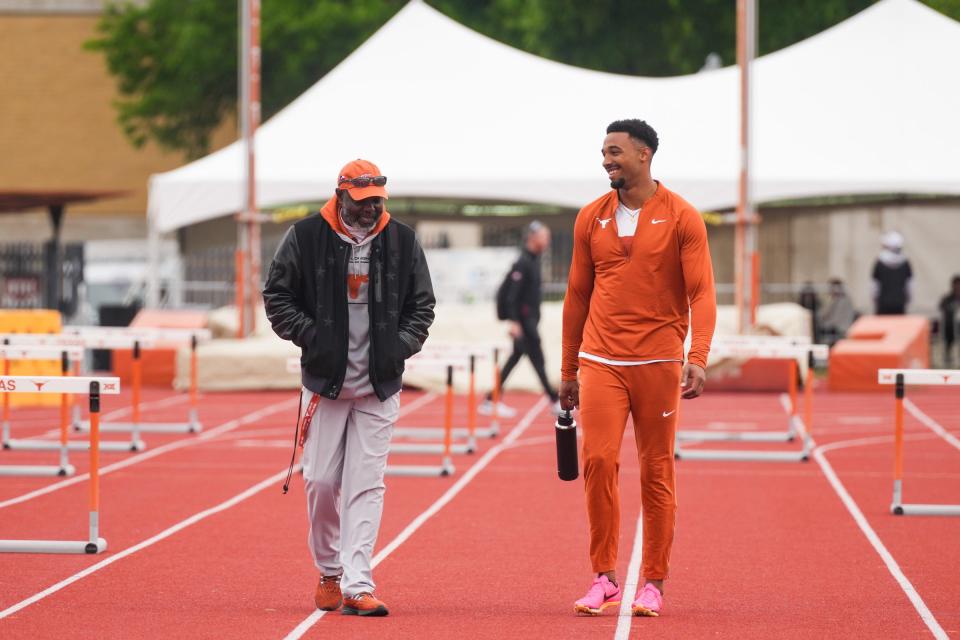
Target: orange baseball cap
[[362, 169]]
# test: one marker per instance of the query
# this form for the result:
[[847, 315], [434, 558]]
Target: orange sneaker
[[364, 604], [328, 597]]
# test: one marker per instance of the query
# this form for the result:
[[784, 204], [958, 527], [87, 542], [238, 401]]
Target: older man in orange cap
[[351, 288]]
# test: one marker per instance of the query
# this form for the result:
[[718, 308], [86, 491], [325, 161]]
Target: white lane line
[[183, 524], [422, 401], [261, 444], [529, 442], [432, 510], [153, 453], [871, 535], [166, 533], [861, 420], [630, 584], [931, 424]]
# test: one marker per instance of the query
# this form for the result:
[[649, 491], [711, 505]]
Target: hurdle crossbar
[[183, 337], [764, 349], [93, 387], [900, 378], [64, 355]]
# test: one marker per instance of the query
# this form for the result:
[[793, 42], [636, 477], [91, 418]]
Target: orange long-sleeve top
[[634, 301]]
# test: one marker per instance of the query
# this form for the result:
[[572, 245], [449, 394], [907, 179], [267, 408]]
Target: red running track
[[762, 549]]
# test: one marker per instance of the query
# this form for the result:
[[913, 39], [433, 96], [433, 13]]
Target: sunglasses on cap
[[365, 181]]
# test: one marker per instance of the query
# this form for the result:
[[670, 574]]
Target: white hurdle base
[[743, 456], [145, 427], [737, 436], [435, 433], [404, 447], [44, 471], [422, 471], [925, 509], [53, 546], [75, 445]]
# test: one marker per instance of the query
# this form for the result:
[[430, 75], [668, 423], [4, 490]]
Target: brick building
[[58, 127]]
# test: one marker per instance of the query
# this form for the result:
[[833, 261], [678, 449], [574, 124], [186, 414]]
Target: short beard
[[619, 183]]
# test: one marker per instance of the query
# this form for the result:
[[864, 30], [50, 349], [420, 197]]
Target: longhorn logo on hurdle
[[38, 384]]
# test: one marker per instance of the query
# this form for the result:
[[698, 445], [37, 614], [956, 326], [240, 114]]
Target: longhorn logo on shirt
[[603, 223], [354, 282]]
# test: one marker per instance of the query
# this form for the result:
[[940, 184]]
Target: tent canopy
[[867, 106]]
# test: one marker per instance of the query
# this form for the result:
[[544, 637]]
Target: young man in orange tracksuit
[[641, 267]]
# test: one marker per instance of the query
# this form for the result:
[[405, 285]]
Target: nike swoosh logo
[[667, 414], [658, 221]]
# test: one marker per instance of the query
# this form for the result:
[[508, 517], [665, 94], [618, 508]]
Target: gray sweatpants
[[344, 458]]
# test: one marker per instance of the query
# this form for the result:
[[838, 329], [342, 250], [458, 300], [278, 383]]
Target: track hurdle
[[900, 378], [445, 468], [446, 432], [472, 430], [93, 388], [148, 337], [765, 349], [102, 340], [64, 355]]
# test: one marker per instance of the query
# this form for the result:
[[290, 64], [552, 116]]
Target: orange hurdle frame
[[93, 387], [102, 339], [64, 355], [137, 426], [446, 449], [766, 349], [900, 378]]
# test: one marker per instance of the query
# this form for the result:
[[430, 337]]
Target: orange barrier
[[31, 321], [159, 363], [751, 375], [878, 342]]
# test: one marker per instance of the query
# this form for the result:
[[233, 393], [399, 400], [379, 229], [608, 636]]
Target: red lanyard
[[308, 418]]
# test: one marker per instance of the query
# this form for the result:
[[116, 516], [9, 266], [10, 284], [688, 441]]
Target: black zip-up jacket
[[306, 302], [525, 294]]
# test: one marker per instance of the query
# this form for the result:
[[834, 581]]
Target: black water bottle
[[568, 468]]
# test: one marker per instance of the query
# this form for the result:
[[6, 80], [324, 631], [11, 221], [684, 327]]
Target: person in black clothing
[[352, 289], [950, 310], [523, 311], [892, 277], [810, 301]]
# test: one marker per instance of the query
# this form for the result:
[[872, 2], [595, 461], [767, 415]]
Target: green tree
[[176, 62]]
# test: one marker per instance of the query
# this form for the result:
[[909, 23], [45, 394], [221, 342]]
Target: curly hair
[[638, 130]]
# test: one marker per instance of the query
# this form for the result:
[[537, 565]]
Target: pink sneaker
[[649, 601], [601, 594]]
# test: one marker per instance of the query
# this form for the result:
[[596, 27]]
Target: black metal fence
[[34, 276]]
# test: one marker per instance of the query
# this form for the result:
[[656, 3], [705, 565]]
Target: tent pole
[[152, 297], [746, 254], [248, 237]]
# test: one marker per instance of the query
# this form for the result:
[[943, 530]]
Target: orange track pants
[[651, 394]]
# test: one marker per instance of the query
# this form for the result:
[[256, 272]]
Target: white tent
[[868, 106]]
